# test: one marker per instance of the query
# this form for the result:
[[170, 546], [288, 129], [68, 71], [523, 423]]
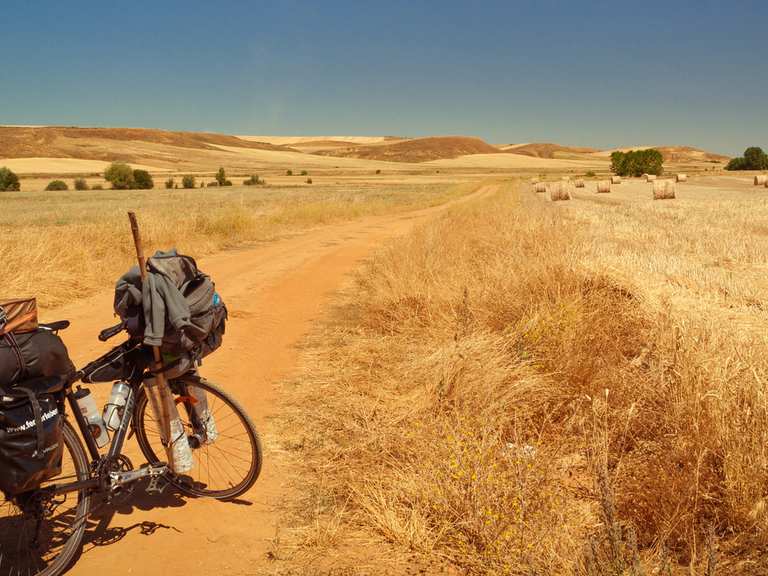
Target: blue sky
[[588, 73]]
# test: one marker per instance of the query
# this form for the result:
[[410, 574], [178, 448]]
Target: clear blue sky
[[601, 73]]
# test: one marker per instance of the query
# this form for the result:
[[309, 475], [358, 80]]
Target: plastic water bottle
[[182, 452], [115, 406], [96, 426]]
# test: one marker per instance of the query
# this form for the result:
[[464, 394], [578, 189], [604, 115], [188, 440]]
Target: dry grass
[[496, 392], [62, 246]]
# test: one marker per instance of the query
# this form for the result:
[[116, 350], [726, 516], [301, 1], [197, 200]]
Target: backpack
[[31, 445], [208, 313]]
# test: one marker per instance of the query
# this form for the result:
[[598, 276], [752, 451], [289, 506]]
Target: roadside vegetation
[[89, 234], [754, 159], [519, 389], [637, 162], [9, 181]]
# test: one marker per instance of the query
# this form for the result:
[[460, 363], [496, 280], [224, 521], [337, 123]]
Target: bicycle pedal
[[157, 484]]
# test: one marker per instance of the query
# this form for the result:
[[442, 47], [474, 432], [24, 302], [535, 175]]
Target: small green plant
[[120, 175], [590, 174], [289, 172], [221, 177], [57, 185], [81, 184], [309, 180], [8, 181], [304, 173], [142, 180], [169, 184], [188, 181]]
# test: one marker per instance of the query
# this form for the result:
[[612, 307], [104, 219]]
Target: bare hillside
[[416, 149], [546, 150]]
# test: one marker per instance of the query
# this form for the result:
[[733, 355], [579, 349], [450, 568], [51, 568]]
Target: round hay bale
[[650, 177], [603, 186], [540, 187], [560, 191], [681, 178], [664, 190], [766, 183], [579, 183], [566, 178], [615, 179], [761, 179]]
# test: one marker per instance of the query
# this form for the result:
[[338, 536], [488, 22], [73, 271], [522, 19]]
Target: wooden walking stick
[[163, 392]]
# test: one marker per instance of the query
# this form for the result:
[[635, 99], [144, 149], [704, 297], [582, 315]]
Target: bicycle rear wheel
[[227, 452], [40, 534]]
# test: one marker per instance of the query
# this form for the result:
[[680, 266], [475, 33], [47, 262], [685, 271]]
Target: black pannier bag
[[31, 444], [125, 362], [39, 353]]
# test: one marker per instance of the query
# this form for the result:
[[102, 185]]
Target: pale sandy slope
[[291, 140], [517, 162], [61, 165]]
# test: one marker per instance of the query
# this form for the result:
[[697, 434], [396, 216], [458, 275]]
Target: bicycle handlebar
[[108, 333]]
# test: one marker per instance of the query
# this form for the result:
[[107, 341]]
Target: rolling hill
[[416, 149]]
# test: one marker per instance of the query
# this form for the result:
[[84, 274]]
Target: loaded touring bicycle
[[61, 458]]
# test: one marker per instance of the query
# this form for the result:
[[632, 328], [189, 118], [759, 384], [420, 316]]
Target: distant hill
[[546, 150], [416, 149], [676, 154], [107, 143]]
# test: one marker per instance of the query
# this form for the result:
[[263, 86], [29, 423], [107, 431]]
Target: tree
[[142, 180], [169, 183], [57, 185], [188, 181], [637, 162], [738, 163], [221, 177], [81, 184], [120, 175], [755, 158], [9, 182]]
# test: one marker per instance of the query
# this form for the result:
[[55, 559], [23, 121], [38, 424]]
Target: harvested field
[[611, 377]]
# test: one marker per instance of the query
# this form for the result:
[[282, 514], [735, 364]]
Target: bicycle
[[43, 529]]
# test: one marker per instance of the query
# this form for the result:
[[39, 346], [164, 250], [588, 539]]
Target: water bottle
[[115, 406], [96, 426], [182, 452]]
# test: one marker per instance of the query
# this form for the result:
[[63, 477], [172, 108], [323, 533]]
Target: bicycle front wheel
[[225, 445], [40, 533]]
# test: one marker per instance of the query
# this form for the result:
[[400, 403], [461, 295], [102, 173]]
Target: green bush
[[289, 172], [253, 181], [188, 181], [142, 180], [120, 175], [213, 184], [754, 159], [590, 174], [309, 180], [637, 162], [378, 171], [169, 184], [57, 185], [304, 173], [227, 183], [221, 177], [81, 184], [9, 182]]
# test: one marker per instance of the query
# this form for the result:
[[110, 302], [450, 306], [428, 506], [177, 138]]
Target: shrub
[[254, 180], [637, 162], [142, 180], [590, 174], [378, 171], [57, 185], [304, 173], [169, 183], [221, 177], [81, 184], [289, 172], [8, 181], [227, 183], [188, 181], [212, 184], [120, 175], [97, 187], [309, 180], [754, 159]]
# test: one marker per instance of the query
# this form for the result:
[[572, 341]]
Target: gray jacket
[[160, 297]]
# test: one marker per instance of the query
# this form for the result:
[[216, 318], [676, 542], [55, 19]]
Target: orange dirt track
[[274, 293]]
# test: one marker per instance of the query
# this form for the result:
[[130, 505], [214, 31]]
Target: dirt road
[[274, 293]]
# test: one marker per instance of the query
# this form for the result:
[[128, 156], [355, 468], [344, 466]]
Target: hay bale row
[[560, 191], [540, 187], [603, 186], [650, 177], [681, 178], [664, 190], [761, 179], [579, 183], [615, 179]]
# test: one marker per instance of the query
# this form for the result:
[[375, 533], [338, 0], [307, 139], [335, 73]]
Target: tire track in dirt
[[274, 292]]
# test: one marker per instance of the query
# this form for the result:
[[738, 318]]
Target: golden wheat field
[[528, 387]]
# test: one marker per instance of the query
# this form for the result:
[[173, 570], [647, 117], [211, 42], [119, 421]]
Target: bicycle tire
[[183, 483], [70, 549]]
